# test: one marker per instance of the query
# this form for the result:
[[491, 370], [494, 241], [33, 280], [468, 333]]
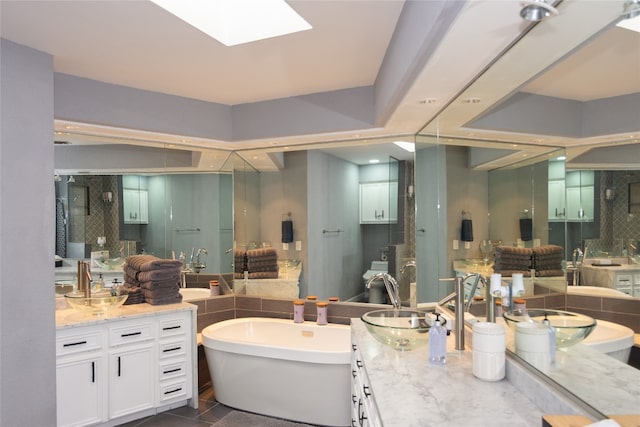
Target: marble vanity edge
[[72, 318], [545, 393]]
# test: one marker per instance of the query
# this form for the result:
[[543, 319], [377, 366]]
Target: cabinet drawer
[[131, 332], [173, 390], [172, 370], [78, 341], [172, 326], [171, 349]]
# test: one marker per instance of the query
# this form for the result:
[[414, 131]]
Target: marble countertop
[[411, 392], [71, 318]]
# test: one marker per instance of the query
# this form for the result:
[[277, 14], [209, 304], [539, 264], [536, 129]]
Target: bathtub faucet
[[196, 264], [390, 284]]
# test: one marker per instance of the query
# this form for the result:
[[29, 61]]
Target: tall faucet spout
[[390, 285]]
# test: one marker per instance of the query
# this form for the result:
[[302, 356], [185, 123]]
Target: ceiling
[[137, 44]]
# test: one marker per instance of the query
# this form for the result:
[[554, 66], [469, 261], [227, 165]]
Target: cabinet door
[[580, 203], [135, 206], [557, 208], [378, 202], [132, 380], [80, 390]]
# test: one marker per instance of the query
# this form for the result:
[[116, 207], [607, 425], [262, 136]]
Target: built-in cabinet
[[135, 206], [120, 370], [378, 202], [571, 194], [628, 282], [364, 410], [580, 195]]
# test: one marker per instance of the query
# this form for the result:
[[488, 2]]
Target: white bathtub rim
[[608, 337], [596, 291], [240, 346]]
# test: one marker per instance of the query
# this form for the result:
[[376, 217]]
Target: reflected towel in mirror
[[466, 231]]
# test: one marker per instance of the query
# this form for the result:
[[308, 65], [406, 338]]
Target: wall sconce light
[[610, 193], [107, 197]]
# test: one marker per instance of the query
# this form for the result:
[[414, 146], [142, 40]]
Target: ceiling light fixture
[[372, 161], [536, 10], [234, 22]]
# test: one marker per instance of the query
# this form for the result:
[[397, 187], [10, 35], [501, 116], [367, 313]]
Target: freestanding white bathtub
[[275, 367]]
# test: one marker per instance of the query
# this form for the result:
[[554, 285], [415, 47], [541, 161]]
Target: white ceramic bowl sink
[[193, 294], [612, 339]]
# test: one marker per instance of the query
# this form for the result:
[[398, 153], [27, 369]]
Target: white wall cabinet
[[572, 198], [121, 370], [135, 206], [378, 202], [557, 203]]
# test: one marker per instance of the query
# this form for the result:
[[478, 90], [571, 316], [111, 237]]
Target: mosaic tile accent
[[616, 223]]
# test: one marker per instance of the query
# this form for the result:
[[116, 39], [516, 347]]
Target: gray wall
[[471, 191], [282, 193], [431, 202], [332, 188], [27, 325]]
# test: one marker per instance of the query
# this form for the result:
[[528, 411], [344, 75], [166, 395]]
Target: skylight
[[408, 146], [234, 22]]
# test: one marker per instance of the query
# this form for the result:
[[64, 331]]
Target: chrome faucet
[[410, 263], [458, 294], [631, 251], [390, 284], [196, 264]]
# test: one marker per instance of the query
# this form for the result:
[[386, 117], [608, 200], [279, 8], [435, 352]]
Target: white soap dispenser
[[437, 343]]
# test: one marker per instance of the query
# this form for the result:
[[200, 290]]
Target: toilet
[[377, 294]]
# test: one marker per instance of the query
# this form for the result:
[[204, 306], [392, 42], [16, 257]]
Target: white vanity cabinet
[[378, 202], [364, 411], [131, 373], [81, 377], [118, 370], [135, 206]]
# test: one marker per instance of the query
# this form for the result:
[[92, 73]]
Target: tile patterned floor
[[210, 414]]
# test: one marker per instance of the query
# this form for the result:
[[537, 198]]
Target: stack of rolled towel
[[547, 260], [239, 263], [158, 280], [509, 260], [260, 263]]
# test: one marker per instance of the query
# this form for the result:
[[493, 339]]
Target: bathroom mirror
[[125, 208]]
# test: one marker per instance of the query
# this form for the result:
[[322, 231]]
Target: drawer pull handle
[[365, 390], [71, 344], [354, 347], [354, 398], [119, 366], [173, 391], [131, 334], [353, 372], [168, 328], [167, 350], [359, 363], [93, 372], [170, 371]]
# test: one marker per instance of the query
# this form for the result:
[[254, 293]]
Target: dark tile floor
[[210, 413]]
